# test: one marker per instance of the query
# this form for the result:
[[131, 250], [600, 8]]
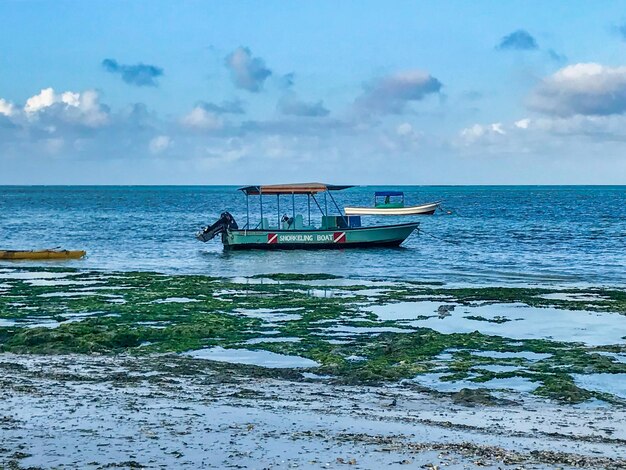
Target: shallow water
[[266, 314], [606, 383], [256, 358], [573, 297], [528, 355], [433, 381], [524, 322], [497, 235], [498, 368], [407, 310], [23, 275], [283, 339], [175, 300]]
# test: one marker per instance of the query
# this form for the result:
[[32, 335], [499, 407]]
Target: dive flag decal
[[272, 238], [339, 237]]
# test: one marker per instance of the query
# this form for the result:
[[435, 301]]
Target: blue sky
[[400, 92]]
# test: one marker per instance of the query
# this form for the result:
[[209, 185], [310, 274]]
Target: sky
[[355, 92]]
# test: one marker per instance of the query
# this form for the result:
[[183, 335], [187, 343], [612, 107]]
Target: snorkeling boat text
[[334, 237]]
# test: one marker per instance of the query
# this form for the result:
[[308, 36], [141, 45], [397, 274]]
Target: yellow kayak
[[42, 254]]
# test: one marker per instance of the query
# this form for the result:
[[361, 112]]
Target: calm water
[[497, 235]]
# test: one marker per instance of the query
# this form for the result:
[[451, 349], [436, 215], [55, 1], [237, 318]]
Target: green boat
[[290, 232]]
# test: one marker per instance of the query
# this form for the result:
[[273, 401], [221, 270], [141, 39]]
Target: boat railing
[[308, 189]]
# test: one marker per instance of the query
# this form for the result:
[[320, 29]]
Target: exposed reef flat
[[386, 361], [171, 411]]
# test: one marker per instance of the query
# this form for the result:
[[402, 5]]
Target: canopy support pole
[[278, 210], [317, 204], [293, 207], [326, 204], [261, 200], [247, 212], [338, 210], [308, 201]]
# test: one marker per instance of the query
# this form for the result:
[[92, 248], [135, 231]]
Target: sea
[[569, 236]]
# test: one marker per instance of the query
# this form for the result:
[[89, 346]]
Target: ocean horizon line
[[238, 185]]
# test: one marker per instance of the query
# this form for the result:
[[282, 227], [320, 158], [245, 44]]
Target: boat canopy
[[298, 188], [388, 193]]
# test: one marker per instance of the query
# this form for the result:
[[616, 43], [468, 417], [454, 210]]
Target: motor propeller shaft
[[225, 222]]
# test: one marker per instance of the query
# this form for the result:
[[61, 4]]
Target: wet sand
[[168, 411]]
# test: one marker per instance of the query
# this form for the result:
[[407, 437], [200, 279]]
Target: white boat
[[424, 209], [393, 208]]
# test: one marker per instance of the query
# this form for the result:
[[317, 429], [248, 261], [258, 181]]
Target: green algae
[[561, 387], [474, 397], [608, 300], [105, 336], [296, 276], [397, 356], [490, 320], [145, 313]]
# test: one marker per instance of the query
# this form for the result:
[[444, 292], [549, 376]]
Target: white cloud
[[487, 133], [596, 128], [200, 118], [44, 99], [496, 127], [406, 136], [584, 88], [92, 114], [6, 108], [70, 98], [540, 135], [72, 107], [159, 143]]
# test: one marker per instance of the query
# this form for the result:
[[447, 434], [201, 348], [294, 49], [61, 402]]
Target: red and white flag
[[339, 237]]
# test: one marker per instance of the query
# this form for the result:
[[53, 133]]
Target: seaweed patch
[[462, 335]]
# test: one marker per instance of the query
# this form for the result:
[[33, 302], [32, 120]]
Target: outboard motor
[[225, 222]]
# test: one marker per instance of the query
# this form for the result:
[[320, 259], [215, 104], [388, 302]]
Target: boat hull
[[363, 237], [424, 209], [41, 254]]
